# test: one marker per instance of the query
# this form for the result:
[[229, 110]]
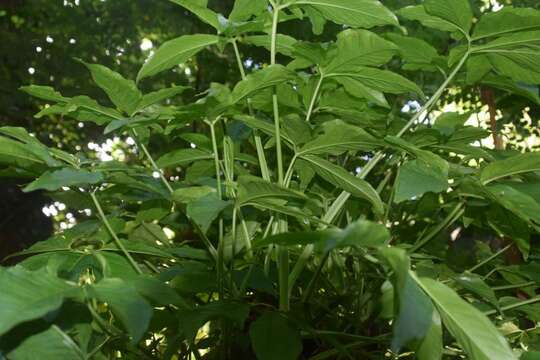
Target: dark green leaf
[[206, 209], [417, 177], [123, 93], [457, 12], [55, 180], [273, 338], [51, 344], [341, 178], [183, 157], [31, 295], [520, 164], [175, 52], [478, 337], [271, 76]]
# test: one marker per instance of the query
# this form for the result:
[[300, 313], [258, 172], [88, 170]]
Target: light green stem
[[314, 98], [113, 234], [485, 261], [514, 306], [263, 164]]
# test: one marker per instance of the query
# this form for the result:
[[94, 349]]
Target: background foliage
[[203, 260]]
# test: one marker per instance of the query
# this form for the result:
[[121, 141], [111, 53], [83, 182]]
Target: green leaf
[[31, 295], [245, 9], [264, 126], [182, 157], [206, 209], [18, 154], [51, 344], [199, 8], [415, 312], [339, 137], [457, 12], [355, 13], [193, 320], [344, 180], [273, 338], [360, 234], [505, 21], [515, 165], [448, 122], [530, 355], [284, 43], [417, 177], [416, 53], [270, 76], [160, 95], [84, 108], [252, 189], [189, 194], [123, 93], [175, 52], [418, 13], [381, 80], [127, 305], [43, 92], [478, 337], [475, 284], [515, 55], [431, 347], [518, 202], [360, 47], [55, 180]]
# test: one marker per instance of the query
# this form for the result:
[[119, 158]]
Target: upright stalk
[[340, 201], [263, 164], [113, 234], [283, 253], [314, 98]]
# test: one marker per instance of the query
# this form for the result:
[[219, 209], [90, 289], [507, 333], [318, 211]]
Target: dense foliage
[[302, 212]]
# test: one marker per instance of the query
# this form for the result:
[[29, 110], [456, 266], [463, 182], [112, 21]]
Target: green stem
[[340, 201], [314, 98], [485, 261], [258, 142], [283, 253], [211, 249], [514, 286], [221, 246], [453, 216], [513, 306], [113, 234]]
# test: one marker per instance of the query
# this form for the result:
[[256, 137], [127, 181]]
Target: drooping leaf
[[360, 47], [189, 194], [478, 286], [414, 316], [193, 320], [381, 80], [160, 95], [344, 180], [270, 76], [66, 177], [416, 53], [122, 92], [515, 165], [252, 189], [182, 157], [339, 137], [175, 52], [417, 177], [518, 202], [474, 332], [360, 234], [284, 43], [31, 295], [199, 8], [44, 92], [447, 122], [51, 344], [418, 13], [457, 12], [244, 9], [507, 20], [274, 338], [133, 311], [355, 13], [206, 209], [431, 347]]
